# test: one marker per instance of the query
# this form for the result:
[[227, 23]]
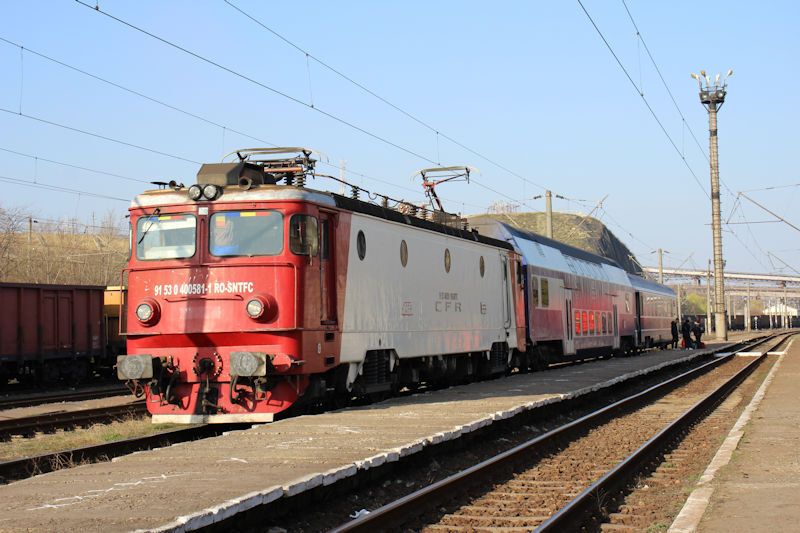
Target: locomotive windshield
[[165, 237], [246, 233]]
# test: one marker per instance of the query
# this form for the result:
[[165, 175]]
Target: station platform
[[753, 482], [191, 485]]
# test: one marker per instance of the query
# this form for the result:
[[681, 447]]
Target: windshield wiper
[[155, 212]]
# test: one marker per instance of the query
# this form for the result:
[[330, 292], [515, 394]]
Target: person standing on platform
[[686, 331], [697, 330], [674, 328]]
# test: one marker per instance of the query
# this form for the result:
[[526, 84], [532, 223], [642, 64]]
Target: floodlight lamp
[[703, 73]]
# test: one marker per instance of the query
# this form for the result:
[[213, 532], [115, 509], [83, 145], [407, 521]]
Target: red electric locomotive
[[245, 295]]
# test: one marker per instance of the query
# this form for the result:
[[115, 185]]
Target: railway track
[[570, 477], [61, 396], [41, 464], [50, 422]]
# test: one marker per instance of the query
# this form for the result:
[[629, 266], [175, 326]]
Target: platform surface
[[194, 484], [759, 490]]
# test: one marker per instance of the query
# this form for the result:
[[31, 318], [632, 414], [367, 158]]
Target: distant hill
[[581, 232]]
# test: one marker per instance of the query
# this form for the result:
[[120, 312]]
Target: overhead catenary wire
[[223, 127], [663, 81], [264, 86], [57, 188], [644, 99], [98, 136], [78, 167], [394, 106], [276, 91]]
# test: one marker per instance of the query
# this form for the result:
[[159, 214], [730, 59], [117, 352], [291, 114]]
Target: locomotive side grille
[[376, 368], [498, 356]]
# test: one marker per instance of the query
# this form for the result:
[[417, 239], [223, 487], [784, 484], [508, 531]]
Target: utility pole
[[548, 220], [708, 298], [747, 310], [680, 314], [785, 307], [712, 96], [661, 266]]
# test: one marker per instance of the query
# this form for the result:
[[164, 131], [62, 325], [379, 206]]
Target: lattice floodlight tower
[[712, 96]]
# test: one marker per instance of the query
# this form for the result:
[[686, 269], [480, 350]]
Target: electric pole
[[712, 96], [548, 221]]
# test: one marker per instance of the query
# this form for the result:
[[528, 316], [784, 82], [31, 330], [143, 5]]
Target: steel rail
[[572, 515], [68, 396], [40, 464], [63, 419], [415, 504]]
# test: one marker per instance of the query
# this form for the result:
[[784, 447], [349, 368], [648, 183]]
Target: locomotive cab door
[[569, 333], [615, 325], [327, 271]]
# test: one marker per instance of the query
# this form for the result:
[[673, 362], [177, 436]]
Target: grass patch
[[127, 428]]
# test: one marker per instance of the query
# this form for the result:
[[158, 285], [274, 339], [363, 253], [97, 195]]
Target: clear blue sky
[[530, 85]]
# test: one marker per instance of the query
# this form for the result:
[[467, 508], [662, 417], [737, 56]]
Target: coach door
[[569, 334], [327, 270], [615, 325], [506, 293]]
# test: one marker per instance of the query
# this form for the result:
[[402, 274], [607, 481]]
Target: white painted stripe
[[776, 353], [750, 354], [212, 419], [697, 503]]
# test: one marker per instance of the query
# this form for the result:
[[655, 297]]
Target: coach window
[[592, 324], [585, 321], [303, 235], [604, 323], [545, 292], [403, 253], [246, 233], [165, 237], [447, 259], [577, 322], [597, 322], [534, 291]]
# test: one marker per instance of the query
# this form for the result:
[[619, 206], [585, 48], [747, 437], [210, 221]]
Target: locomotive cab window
[[246, 233], [165, 237], [303, 235]]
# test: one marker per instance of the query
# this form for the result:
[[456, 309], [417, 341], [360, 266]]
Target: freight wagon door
[[327, 274], [64, 322], [48, 326]]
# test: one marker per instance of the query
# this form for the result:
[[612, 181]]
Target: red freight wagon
[[50, 331]]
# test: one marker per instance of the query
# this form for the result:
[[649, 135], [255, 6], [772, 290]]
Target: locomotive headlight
[[248, 364], [148, 312], [195, 192], [134, 367], [255, 308], [210, 192], [144, 312]]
